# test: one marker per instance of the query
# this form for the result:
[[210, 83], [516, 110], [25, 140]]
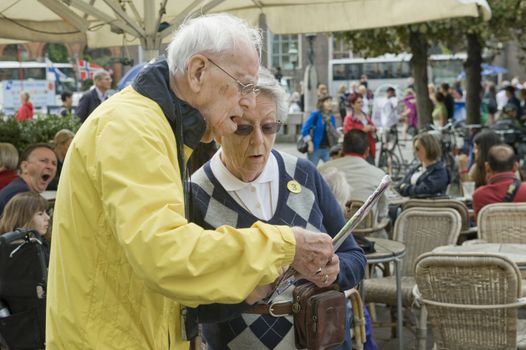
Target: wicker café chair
[[368, 226], [502, 223], [471, 300], [466, 232], [358, 323], [421, 230]]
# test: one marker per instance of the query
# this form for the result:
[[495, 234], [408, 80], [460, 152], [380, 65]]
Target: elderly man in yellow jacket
[[124, 260]]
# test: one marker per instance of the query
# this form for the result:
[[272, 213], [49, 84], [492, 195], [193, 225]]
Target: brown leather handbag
[[319, 316]]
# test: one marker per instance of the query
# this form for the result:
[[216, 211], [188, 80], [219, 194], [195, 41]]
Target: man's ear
[[195, 72], [23, 166], [208, 136], [515, 167], [487, 169], [218, 139], [367, 152]]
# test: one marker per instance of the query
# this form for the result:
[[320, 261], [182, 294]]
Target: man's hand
[[313, 251], [259, 293]]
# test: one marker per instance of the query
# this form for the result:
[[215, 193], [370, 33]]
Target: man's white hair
[[210, 34], [269, 86]]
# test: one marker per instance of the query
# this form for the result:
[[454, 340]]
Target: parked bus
[[393, 70], [43, 81]]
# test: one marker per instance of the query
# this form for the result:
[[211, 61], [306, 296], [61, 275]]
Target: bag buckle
[[272, 313]]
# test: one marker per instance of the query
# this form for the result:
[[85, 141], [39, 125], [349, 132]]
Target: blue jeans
[[320, 153]]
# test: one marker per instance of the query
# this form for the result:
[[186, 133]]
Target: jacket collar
[[153, 82], [502, 176]]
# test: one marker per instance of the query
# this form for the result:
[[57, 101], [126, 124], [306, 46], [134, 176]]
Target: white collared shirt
[[101, 95], [259, 197]]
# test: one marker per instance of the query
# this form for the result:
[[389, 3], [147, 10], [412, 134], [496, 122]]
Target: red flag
[[87, 69]]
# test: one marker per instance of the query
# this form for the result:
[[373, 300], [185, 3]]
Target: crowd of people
[[138, 251], [151, 246], [87, 103]]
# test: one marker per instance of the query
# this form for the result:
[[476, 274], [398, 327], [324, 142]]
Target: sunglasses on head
[[267, 128]]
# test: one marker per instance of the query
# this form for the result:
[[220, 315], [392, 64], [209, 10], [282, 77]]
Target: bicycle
[[448, 135], [391, 158]]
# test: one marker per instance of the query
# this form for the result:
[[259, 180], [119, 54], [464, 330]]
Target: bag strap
[[314, 124], [512, 190]]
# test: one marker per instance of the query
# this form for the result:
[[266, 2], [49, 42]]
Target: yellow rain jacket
[[123, 257]]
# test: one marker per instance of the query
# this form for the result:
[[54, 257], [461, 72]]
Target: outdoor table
[[390, 251], [394, 198], [514, 251]]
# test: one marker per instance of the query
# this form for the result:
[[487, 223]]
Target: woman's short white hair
[[269, 86], [213, 33], [338, 184]]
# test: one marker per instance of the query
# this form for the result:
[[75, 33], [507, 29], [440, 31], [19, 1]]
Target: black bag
[[301, 144], [23, 279], [366, 245], [333, 135]]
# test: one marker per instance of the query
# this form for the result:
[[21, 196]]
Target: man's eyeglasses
[[267, 128], [244, 89]]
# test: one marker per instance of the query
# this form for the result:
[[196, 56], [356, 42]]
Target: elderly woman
[[248, 181], [430, 177]]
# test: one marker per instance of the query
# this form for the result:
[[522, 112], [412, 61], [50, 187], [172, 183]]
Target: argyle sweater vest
[[214, 207]]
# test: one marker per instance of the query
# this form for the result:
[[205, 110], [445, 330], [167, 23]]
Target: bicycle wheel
[[389, 162], [455, 185], [394, 166]]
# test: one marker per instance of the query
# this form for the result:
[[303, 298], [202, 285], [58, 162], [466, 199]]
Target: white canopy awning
[[104, 23]]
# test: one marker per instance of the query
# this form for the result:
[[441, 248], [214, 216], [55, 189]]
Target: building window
[[341, 48], [281, 45]]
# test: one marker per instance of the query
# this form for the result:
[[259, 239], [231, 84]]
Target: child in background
[[23, 274], [26, 210]]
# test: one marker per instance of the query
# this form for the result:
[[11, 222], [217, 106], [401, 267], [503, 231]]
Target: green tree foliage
[[457, 34], [57, 53], [42, 129], [413, 38]]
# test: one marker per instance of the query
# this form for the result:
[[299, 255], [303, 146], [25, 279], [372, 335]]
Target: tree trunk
[[424, 106], [473, 79]]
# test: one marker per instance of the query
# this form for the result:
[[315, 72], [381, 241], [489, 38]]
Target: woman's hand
[[327, 275], [368, 128], [310, 148]]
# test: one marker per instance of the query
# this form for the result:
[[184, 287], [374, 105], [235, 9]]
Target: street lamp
[[310, 78], [310, 37], [293, 58]]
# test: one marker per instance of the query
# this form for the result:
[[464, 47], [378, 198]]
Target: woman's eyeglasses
[[244, 89], [267, 128]]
